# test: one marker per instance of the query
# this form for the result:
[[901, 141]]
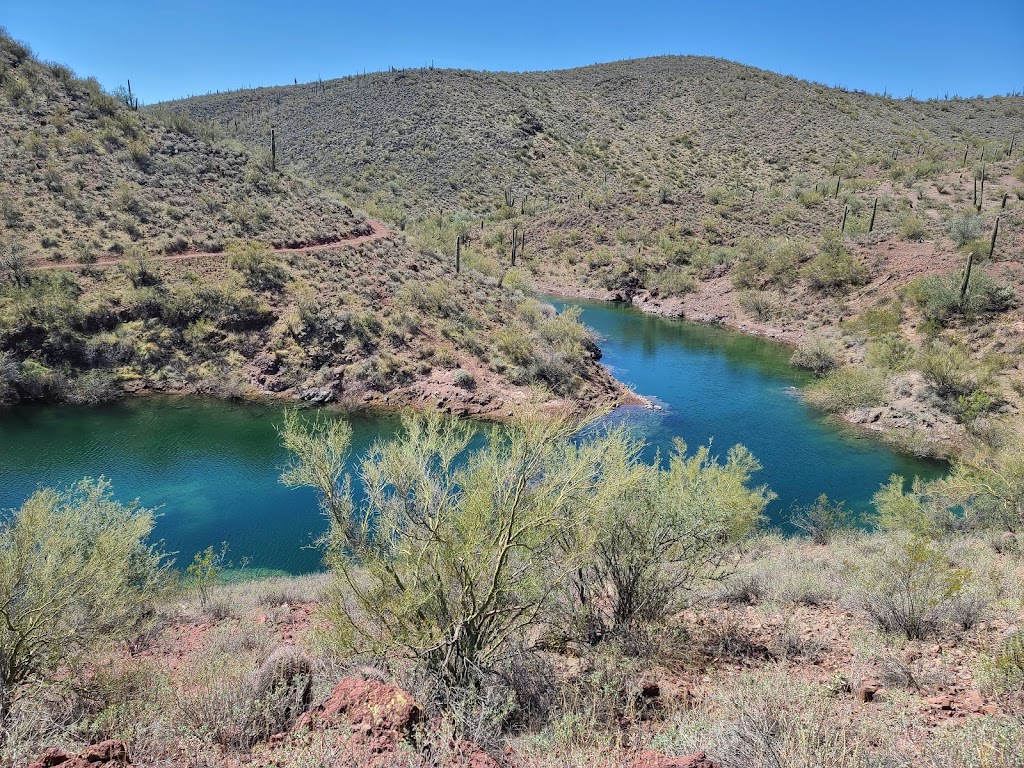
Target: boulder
[[106, 754], [380, 715]]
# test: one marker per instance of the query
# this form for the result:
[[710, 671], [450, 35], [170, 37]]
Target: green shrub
[[889, 353], [949, 369], [913, 227], [938, 296], [455, 555], [674, 281], [76, 569], [657, 535], [464, 379], [257, 264], [909, 587], [964, 228], [848, 388], [760, 305], [821, 520], [816, 354], [834, 269]]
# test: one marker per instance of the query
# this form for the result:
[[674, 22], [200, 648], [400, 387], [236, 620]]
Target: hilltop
[[140, 252], [838, 221]]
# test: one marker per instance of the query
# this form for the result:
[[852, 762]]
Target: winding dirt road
[[379, 232]]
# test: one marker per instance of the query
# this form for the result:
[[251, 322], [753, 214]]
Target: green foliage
[[938, 296], [75, 570], [889, 353], [257, 264], [913, 227], [964, 228], [949, 369], [848, 388], [771, 263], [205, 570], [456, 555], [989, 484], [822, 519], [816, 354], [833, 269], [909, 586], [319, 449], [658, 535], [914, 512], [674, 281]]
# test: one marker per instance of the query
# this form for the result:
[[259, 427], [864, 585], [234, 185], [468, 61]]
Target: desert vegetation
[[539, 597]]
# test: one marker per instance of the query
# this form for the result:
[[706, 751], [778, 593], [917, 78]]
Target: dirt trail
[[379, 232]]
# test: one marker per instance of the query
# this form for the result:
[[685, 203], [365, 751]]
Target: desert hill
[[140, 251]]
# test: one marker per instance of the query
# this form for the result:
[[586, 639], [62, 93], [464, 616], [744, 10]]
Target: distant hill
[[416, 140]]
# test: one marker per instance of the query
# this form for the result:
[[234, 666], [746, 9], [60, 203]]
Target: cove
[[718, 385], [212, 466]]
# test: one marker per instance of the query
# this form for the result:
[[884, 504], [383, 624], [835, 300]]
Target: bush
[[674, 281], [834, 269], [657, 534], [454, 555], [913, 227], [816, 354], [848, 388], [257, 265], [822, 519], [464, 379], [964, 228], [938, 296], [948, 369], [75, 569], [909, 586], [989, 485]]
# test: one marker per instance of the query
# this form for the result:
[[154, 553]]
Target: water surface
[[212, 466]]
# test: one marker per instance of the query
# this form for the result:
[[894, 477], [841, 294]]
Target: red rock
[[866, 689], [381, 715], [106, 754], [51, 756], [651, 759], [469, 755]]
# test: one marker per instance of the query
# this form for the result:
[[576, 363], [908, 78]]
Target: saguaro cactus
[[995, 234], [842, 227], [273, 150], [874, 210], [458, 254]]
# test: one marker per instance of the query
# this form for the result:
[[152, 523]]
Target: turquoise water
[[718, 385], [212, 466]]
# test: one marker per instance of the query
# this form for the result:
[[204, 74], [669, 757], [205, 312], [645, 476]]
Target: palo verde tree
[[452, 554], [75, 570], [457, 554]]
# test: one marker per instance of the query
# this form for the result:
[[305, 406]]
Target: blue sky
[[178, 48]]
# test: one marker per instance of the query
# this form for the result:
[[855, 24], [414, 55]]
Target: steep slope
[[139, 253]]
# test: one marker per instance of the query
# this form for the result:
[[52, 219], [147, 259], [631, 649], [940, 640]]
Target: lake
[[212, 466]]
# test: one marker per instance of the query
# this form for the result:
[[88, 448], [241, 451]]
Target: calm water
[[212, 466]]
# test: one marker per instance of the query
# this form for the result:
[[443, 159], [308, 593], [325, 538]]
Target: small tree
[[822, 519], [452, 555], [75, 570], [319, 450]]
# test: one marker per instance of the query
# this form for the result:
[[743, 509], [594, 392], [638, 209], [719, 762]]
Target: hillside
[[708, 190], [138, 252]]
